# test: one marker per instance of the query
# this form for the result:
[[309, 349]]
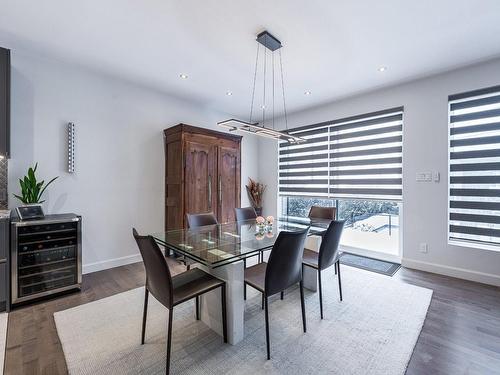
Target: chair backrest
[[329, 248], [245, 213], [284, 267], [318, 212], [200, 220], [158, 277]]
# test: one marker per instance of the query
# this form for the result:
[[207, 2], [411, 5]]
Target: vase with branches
[[32, 189], [255, 192]]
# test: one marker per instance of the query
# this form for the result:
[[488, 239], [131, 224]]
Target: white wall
[[119, 179], [425, 147]]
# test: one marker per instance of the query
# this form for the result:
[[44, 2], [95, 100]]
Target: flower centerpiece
[[255, 191], [261, 222], [270, 221]]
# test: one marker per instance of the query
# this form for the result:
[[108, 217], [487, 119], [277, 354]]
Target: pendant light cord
[[283, 89], [273, 86], [264, 94], [254, 80]]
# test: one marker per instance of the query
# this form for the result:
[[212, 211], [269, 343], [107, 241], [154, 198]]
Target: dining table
[[223, 250]]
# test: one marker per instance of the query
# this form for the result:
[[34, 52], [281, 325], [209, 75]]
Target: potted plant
[[31, 189]]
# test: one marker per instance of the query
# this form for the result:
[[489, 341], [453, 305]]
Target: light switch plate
[[424, 176], [423, 248]]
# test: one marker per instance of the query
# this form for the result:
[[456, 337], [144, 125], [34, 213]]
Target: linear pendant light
[[272, 44]]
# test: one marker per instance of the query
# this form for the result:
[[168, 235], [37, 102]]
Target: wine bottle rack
[[46, 256]]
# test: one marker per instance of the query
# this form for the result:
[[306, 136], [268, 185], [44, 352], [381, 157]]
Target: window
[[357, 157], [474, 167], [354, 164]]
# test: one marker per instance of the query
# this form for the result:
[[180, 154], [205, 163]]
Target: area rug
[[373, 331], [3, 339]]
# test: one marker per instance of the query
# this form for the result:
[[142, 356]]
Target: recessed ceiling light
[[307, 93], [229, 93], [183, 76], [382, 69], [263, 106]]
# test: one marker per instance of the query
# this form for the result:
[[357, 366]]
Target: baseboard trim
[[111, 263], [460, 273]]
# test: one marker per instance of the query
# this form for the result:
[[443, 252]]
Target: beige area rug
[[3, 338], [373, 331]]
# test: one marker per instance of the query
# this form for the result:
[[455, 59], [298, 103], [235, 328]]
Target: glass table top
[[217, 245]]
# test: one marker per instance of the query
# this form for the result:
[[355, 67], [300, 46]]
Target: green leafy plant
[[31, 189]]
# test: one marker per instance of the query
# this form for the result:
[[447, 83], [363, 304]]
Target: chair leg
[[197, 307], [188, 267], [335, 264], [320, 294], [268, 344], [282, 295], [144, 315], [340, 283], [169, 338], [224, 316], [303, 305], [244, 263], [245, 291], [263, 301]]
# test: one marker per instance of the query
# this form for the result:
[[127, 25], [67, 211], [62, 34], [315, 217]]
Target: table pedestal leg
[[310, 275], [210, 303]]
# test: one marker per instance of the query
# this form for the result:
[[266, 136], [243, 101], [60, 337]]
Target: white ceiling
[[332, 48]]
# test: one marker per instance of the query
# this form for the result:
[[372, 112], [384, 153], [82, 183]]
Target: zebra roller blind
[[354, 158], [303, 168], [474, 166]]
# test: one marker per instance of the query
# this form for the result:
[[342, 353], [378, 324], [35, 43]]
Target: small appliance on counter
[[46, 256]]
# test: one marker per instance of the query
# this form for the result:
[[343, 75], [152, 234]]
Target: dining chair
[[283, 270], [327, 256], [319, 212], [196, 221], [323, 213], [200, 220], [170, 290], [245, 213]]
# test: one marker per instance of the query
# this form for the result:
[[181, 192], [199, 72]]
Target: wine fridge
[[46, 256]]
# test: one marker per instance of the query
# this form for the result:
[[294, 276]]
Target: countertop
[[4, 214]]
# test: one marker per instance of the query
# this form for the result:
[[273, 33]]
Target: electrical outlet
[[423, 248]]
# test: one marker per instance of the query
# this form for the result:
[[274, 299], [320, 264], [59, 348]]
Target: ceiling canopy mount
[[270, 43]]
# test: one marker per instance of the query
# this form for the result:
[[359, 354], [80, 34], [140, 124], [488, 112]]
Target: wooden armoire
[[202, 174]]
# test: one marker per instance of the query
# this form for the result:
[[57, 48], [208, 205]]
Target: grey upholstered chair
[[327, 256], [245, 213], [318, 212], [171, 291], [283, 270], [200, 220]]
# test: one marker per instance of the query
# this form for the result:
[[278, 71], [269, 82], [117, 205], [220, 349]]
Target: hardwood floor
[[461, 334]]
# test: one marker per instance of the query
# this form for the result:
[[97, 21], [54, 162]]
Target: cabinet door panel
[[173, 186], [4, 102], [228, 183], [200, 178]]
